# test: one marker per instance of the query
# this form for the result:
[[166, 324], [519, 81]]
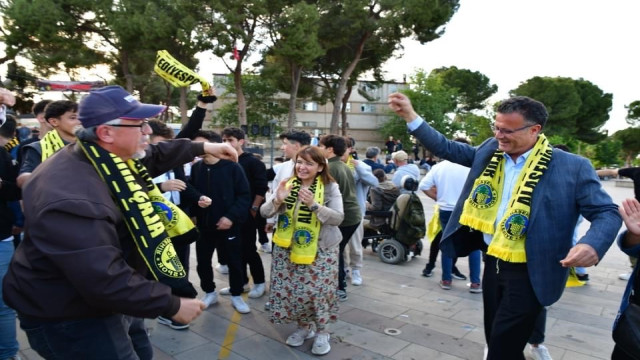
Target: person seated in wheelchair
[[395, 218], [382, 199]]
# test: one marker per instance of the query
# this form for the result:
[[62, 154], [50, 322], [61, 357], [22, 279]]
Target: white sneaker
[[299, 336], [210, 298], [356, 279], [624, 277], [227, 290], [257, 291], [539, 353], [265, 248], [486, 352], [222, 269], [321, 344], [238, 303]]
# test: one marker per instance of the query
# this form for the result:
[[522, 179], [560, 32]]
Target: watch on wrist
[[314, 207], [255, 208]]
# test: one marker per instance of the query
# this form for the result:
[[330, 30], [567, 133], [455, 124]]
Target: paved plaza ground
[[431, 323]]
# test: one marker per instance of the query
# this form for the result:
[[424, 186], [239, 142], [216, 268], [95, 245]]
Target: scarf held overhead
[[299, 227], [147, 222], [481, 207]]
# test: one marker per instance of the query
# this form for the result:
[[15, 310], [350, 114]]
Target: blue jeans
[[475, 257], [8, 343], [112, 337]]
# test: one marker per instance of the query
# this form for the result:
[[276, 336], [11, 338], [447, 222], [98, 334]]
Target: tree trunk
[[242, 101], [342, 85], [183, 105], [296, 73], [343, 111], [125, 71]]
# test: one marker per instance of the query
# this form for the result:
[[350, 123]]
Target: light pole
[[272, 124]]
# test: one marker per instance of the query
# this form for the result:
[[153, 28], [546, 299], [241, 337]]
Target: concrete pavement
[[399, 314]]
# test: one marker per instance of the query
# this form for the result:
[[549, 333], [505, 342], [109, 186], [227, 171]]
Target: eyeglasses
[[495, 129], [144, 126]]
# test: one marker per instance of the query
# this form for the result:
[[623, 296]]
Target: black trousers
[[510, 308], [346, 232], [209, 241], [250, 254]]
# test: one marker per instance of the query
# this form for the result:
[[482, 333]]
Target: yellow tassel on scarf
[[481, 208], [434, 226]]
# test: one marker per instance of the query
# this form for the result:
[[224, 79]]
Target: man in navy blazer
[[515, 292]]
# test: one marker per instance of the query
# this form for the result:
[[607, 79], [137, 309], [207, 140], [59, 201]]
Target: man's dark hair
[[336, 142], [38, 108], [159, 128], [56, 109], [300, 137], [233, 131], [372, 152], [562, 147], [461, 140], [210, 135], [532, 110]]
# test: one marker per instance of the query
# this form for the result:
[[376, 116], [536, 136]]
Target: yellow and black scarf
[[150, 218], [481, 208], [11, 144], [299, 227], [50, 144]]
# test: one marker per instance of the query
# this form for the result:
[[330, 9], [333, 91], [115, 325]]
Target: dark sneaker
[[445, 284], [456, 274], [427, 272], [172, 324], [342, 295], [475, 288], [583, 277]]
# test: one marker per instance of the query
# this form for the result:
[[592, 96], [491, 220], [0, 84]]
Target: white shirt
[[449, 179]]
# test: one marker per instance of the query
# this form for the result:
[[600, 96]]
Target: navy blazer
[[568, 188]]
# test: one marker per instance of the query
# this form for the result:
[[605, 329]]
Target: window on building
[[368, 108], [310, 106]]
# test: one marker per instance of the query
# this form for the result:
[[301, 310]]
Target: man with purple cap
[[96, 233]]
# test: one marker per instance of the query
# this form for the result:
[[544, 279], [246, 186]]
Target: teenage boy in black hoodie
[[221, 211], [256, 174]]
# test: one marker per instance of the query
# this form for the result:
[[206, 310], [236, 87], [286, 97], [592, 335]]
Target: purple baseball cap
[[113, 102]]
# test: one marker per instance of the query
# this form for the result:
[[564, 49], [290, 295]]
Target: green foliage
[[358, 35], [445, 97], [472, 87], [577, 108], [260, 105], [633, 113], [630, 139], [476, 127], [607, 153]]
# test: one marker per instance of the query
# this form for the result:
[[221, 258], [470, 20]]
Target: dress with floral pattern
[[304, 293]]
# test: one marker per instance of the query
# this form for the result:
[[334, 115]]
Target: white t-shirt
[[449, 179]]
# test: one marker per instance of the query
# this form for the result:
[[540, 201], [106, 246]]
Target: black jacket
[[226, 184]]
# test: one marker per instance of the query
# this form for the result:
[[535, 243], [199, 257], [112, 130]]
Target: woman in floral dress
[[304, 266]]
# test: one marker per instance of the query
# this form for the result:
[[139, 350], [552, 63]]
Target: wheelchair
[[399, 239]]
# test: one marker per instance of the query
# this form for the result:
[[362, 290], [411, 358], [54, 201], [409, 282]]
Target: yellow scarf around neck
[[481, 207], [299, 227], [50, 144], [149, 225]]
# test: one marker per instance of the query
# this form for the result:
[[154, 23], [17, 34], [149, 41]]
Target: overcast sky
[[511, 41]]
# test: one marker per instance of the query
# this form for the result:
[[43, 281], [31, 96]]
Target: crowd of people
[[112, 202]]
